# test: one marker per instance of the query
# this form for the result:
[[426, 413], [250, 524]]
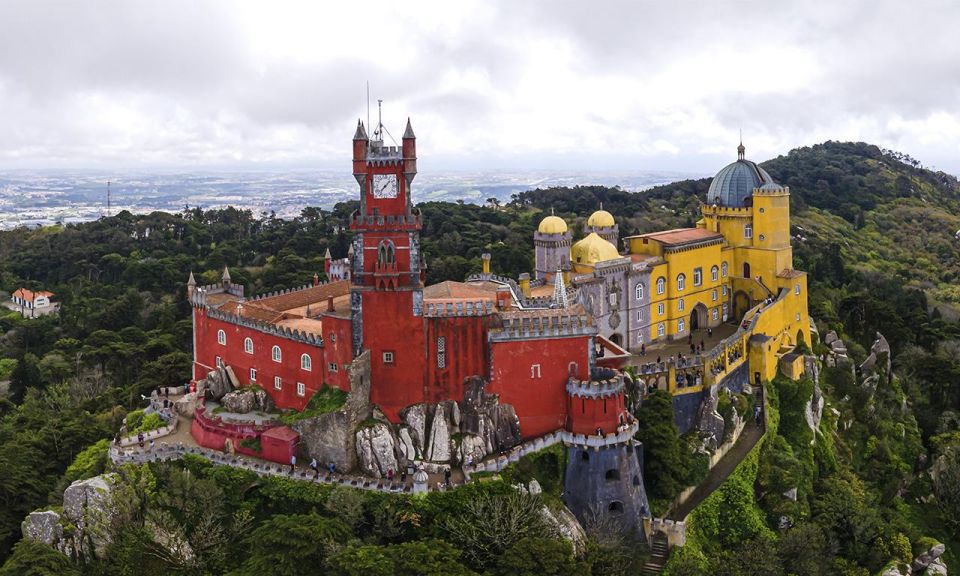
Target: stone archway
[[698, 317], [746, 270], [741, 303]]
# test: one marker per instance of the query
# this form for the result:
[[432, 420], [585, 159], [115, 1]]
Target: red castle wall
[[232, 354], [588, 414], [390, 326], [466, 354], [540, 402]]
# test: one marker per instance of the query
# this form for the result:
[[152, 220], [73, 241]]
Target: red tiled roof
[[300, 298], [680, 236], [451, 290], [30, 295], [251, 310], [790, 273]]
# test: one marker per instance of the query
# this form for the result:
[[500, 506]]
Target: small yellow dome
[[600, 219], [593, 249], [552, 225]]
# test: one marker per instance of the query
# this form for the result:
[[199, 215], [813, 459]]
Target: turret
[[327, 260], [409, 155], [191, 285], [485, 257], [226, 277], [360, 142]]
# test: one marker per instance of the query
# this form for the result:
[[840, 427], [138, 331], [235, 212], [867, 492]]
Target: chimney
[[329, 303], [486, 263], [316, 279], [504, 298], [525, 284]]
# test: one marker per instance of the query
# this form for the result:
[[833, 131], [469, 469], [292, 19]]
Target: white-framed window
[[714, 273], [716, 313], [248, 345], [275, 354], [661, 285], [697, 276], [639, 291], [332, 367], [388, 357], [660, 309], [306, 363], [253, 374], [748, 231], [724, 290], [221, 337], [681, 325], [681, 282], [219, 362], [661, 329], [798, 316], [301, 389], [535, 371], [612, 298], [796, 289], [725, 311], [639, 315], [680, 305], [277, 383], [713, 294], [723, 269], [441, 352]]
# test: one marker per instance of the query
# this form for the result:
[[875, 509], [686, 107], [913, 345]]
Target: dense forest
[[875, 230]]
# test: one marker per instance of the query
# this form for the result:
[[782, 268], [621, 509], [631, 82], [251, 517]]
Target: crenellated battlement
[[410, 221], [266, 327], [595, 388], [544, 327], [447, 309], [200, 293]]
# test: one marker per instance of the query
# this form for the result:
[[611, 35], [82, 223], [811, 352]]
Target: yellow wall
[[685, 262]]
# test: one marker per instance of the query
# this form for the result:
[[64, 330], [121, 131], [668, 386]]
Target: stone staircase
[[659, 551]]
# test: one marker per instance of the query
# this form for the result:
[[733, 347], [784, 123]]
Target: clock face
[[384, 186]]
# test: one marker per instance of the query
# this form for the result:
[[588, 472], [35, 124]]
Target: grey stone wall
[[607, 485]]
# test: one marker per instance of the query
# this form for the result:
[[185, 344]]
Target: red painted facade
[[532, 374], [465, 354], [587, 414]]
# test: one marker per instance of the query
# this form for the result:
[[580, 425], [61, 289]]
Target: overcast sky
[[584, 84]]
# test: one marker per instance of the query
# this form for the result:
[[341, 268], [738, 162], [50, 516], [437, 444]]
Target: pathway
[[718, 474]]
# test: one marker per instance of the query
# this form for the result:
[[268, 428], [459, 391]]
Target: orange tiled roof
[[30, 295], [680, 236], [790, 273], [251, 310], [300, 298], [451, 290]]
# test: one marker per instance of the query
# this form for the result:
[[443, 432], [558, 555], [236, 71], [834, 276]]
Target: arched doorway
[[741, 303], [746, 270], [800, 340], [698, 317], [617, 339]]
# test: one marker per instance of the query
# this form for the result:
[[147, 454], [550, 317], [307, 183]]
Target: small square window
[[219, 362], [796, 289], [388, 357], [332, 367], [253, 374]]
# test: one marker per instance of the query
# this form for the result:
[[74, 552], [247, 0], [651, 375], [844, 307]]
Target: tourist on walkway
[[293, 463], [709, 332], [390, 475], [643, 349], [410, 469], [446, 477], [332, 467], [315, 467], [140, 439]]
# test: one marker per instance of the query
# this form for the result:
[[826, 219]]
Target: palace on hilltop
[[549, 348]]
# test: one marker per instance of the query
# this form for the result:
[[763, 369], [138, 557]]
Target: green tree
[[291, 545], [537, 556], [666, 457], [31, 558], [25, 376]]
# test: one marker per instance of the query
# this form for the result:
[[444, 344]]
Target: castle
[[551, 349]]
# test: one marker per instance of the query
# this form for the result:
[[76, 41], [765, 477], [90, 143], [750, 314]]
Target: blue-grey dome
[[736, 181]]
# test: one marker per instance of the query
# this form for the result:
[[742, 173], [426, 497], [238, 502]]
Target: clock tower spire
[[388, 272]]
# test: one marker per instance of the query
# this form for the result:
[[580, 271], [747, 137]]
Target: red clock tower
[[387, 290]]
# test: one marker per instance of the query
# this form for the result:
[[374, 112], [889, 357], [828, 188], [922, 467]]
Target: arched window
[[612, 474], [639, 291], [221, 337], [681, 325], [386, 253], [636, 480], [661, 285], [714, 273], [585, 456], [305, 362], [723, 269], [681, 282], [616, 507], [680, 305], [248, 345], [661, 329], [276, 354]]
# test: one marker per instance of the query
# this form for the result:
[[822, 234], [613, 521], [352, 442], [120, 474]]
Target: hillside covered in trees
[[875, 230]]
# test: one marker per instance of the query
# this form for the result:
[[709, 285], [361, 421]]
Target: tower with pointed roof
[[387, 278]]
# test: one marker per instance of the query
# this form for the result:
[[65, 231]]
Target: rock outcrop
[[405, 445], [482, 414], [878, 360], [439, 441], [331, 437], [415, 417], [187, 404], [813, 412], [568, 526], [216, 385], [82, 531], [239, 401], [927, 557], [710, 422], [377, 450]]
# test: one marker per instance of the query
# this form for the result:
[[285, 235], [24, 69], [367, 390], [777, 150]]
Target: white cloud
[[541, 84]]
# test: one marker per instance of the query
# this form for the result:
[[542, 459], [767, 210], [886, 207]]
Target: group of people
[[685, 379]]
